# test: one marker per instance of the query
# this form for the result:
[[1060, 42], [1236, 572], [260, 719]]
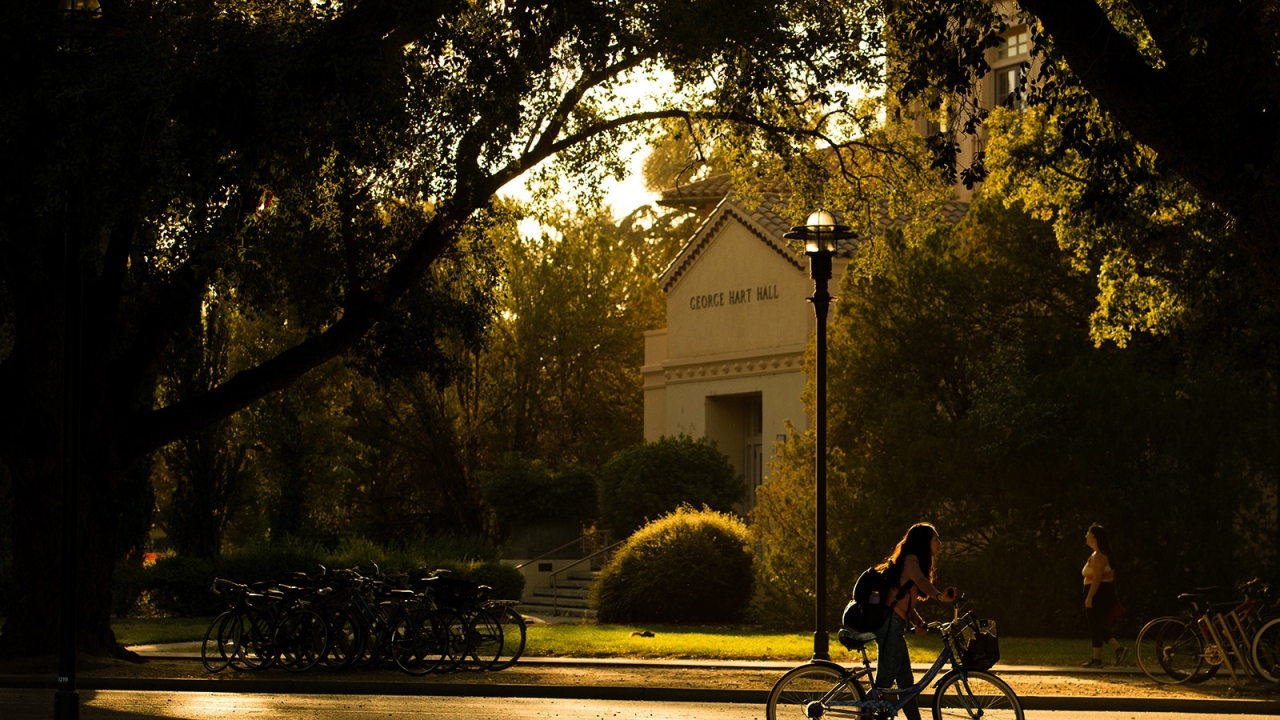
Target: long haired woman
[[909, 570]]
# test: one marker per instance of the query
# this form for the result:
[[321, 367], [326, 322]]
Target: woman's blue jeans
[[894, 665]]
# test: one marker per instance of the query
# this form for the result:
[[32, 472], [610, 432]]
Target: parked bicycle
[[337, 619], [260, 629], [1213, 635], [968, 690]]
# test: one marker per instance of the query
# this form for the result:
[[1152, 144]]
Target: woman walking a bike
[[1100, 595], [909, 570], [967, 690]]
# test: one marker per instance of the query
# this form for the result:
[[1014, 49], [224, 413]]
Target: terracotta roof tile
[[713, 189], [708, 190], [767, 216]]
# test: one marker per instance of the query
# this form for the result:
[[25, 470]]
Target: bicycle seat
[[854, 642]]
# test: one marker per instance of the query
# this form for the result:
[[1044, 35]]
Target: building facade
[[730, 364]]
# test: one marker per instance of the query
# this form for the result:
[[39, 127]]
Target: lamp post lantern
[[820, 235]]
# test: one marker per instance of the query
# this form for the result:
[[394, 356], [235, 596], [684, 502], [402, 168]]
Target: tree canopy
[[312, 162], [1194, 83]]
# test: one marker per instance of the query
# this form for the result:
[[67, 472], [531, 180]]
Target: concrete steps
[[567, 599]]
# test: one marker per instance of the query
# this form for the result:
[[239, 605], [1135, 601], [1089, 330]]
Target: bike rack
[[1225, 641]]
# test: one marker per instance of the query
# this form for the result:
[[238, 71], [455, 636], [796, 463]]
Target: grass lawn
[[731, 643], [669, 641], [150, 631]]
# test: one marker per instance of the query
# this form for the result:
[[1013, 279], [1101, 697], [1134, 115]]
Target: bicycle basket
[[452, 593], [977, 645]]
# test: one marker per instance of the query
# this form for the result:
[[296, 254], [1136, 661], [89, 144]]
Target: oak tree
[[314, 159]]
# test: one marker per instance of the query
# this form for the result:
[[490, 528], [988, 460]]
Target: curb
[[736, 665], [607, 692]]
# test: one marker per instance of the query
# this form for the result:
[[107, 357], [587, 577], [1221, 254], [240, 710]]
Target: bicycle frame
[[876, 698]]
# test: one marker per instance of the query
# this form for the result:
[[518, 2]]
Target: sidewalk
[[191, 651], [177, 668]]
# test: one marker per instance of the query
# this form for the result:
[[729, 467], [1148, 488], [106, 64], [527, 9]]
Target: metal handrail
[[556, 550], [555, 595]]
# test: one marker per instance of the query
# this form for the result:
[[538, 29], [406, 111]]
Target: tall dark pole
[[820, 271], [66, 702], [820, 235]]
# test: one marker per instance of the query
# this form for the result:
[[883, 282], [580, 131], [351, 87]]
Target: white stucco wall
[[740, 296]]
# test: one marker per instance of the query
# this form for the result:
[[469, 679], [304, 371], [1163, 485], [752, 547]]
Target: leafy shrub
[[179, 585], [647, 480], [522, 491], [690, 566]]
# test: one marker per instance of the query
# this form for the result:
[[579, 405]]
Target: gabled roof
[[767, 221], [763, 222]]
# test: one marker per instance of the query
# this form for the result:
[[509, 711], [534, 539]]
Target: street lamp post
[[66, 700], [820, 234]]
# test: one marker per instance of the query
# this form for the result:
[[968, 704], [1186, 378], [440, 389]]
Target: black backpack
[[871, 603]]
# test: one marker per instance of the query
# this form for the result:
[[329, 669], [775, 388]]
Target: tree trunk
[[32, 432], [32, 624]]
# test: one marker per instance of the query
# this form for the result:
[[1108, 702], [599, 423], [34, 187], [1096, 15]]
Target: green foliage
[[647, 480], [207, 472], [1167, 261], [559, 379], [179, 585], [965, 390], [689, 566], [523, 491], [782, 526]]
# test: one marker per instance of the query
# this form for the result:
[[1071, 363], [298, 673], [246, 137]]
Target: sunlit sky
[[628, 194], [621, 196]]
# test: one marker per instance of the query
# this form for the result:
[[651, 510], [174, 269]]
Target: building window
[[1008, 87], [1013, 45]]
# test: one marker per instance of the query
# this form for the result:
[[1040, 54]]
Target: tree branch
[[364, 309], [1157, 107]]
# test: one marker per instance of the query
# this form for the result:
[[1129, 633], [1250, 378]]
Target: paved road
[[149, 705]]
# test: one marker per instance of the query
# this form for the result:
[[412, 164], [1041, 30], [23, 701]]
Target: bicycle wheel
[[378, 638], [453, 636], [346, 637], [514, 634], [484, 640], [1180, 651], [221, 641], [1266, 651], [795, 691], [969, 694], [301, 640], [257, 642], [416, 642], [1146, 648]]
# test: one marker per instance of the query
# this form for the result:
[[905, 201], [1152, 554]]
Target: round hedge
[[689, 566], [644, 481]]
